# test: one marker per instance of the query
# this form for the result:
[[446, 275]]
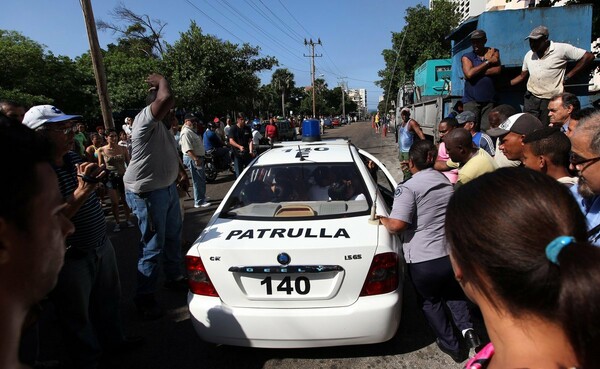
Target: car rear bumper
[[369, 320]]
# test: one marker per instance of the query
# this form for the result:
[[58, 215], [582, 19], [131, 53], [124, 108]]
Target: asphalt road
[[172, 343]]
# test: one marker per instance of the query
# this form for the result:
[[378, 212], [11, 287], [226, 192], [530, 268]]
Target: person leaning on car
[[417, 216]]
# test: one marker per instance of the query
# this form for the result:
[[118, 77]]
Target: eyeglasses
[[577, 160]]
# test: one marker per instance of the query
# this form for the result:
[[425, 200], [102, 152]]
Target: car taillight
[[198, 279], [383, 275]]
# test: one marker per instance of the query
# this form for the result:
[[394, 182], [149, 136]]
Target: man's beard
[[584, 189]]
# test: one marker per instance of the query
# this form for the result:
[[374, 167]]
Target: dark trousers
[[87, 299], [434, 282], [241, 161], [536, 106], [481, 110]]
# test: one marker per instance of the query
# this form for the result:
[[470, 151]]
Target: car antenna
[[300, 152]]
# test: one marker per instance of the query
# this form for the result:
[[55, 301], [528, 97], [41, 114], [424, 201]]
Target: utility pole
[[312, 69], [286, 85], [343, 86], [98, 66]]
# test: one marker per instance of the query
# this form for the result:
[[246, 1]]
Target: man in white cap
[[511, 133], [545, 65], [88, 291]]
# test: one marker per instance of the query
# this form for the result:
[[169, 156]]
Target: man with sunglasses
[[89, 277], [584, 158]]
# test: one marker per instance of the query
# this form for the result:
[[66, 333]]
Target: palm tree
[[282, 81]]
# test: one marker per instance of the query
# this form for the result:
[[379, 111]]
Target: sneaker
[[117, 228], [203, 205], [129, 224]]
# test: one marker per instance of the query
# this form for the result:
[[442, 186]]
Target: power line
[[299, 36], [294, 18], [214, 21], [231, 33], [260, 29]]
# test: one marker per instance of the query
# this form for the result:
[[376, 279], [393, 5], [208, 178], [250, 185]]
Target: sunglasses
[[576, 160]]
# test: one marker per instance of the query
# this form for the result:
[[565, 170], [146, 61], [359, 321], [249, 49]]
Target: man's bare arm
[[583, 63], [164, 101]]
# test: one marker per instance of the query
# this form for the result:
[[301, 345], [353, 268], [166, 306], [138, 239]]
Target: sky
[[353, 33]]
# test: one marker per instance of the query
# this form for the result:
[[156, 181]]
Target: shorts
[[115, 182]]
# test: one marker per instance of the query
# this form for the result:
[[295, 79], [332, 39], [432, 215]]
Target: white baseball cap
[[42, 114]]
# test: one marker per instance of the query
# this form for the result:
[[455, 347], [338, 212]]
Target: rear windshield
[[302, 190]]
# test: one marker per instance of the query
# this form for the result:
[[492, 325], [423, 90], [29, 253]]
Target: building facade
[[359, 96], [472, 8]]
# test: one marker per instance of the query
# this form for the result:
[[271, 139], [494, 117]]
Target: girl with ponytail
[[518, 245]]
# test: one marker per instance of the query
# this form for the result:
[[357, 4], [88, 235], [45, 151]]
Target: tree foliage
[[210, 75], [30, 75], [139, 36], [125, 76], [281, 86], [423, 37], [207, 74]]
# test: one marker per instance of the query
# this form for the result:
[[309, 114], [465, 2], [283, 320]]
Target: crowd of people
[[504, 211], [143, 169], [507, 206]]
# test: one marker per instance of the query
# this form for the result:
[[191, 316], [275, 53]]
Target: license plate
[[291, 286]]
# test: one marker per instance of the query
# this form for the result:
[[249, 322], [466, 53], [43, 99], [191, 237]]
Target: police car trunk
[[282, 239]]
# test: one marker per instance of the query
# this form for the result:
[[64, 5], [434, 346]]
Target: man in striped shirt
[[89, 276]]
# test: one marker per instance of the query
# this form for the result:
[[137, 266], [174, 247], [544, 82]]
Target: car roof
[[328, 151]]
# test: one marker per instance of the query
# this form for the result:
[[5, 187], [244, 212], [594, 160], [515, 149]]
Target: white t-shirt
[[256, 136], [546, 74]]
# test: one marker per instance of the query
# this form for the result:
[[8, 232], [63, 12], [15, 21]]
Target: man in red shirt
[[271, 132]]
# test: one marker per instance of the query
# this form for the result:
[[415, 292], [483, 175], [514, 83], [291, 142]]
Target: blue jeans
[[198, 179], [159, 219], [87, 299]]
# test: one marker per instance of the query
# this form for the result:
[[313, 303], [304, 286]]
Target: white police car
[[293, 258]]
